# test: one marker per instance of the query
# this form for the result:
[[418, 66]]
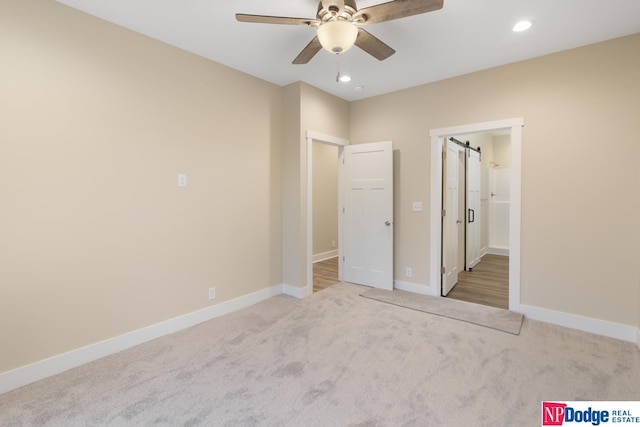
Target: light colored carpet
[[482, 315], [334, 359]]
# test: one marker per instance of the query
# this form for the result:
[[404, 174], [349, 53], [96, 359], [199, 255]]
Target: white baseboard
[[325, 255], [40, 370], [586, 324], [498, 251], [415, 288], [296, 291]]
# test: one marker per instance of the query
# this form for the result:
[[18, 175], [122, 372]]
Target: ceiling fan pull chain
[[337, 68]]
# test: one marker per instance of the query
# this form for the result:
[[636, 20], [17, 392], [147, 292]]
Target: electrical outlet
[[408, 272], [333, 243], [212, 293]]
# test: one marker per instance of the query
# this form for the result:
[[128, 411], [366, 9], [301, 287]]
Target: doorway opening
[[365, 200], [475, 224], [324, 215], [438, 138], [329, 270]]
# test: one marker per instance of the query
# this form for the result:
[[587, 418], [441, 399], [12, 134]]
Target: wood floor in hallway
[[325, 274], [487, 284]]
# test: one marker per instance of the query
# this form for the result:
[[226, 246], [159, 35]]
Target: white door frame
[[438, 136], [312, 137]]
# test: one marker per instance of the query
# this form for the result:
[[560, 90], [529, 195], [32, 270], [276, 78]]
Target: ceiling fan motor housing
[[334, 11]]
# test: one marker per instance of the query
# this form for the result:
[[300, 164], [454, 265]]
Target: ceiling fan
[[338, 25]]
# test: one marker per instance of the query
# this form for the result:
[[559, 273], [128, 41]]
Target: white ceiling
[[463, 37]]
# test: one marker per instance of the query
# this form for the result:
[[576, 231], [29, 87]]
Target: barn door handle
[[472, 215], [387, 223]]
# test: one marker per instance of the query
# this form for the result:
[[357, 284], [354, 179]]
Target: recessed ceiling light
[[522, 26], [358, 88], [345, 78]]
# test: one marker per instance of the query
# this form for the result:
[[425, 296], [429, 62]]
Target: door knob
[[387, 223]]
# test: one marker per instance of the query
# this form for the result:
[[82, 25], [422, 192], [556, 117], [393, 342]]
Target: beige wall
[[292, 244], [96, 238], [325, 198], [580, 233]]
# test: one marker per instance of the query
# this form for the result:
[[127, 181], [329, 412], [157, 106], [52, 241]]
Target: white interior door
[[450, 218], [367, 215], [474, 212]]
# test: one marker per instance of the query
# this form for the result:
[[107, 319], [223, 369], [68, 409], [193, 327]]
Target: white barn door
[[367, 214], [450, 219], [474, 223]]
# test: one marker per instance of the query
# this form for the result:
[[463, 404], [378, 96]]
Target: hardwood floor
[[487, 284], [325, 274]]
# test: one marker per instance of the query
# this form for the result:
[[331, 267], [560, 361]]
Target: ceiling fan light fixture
[[337, 36]]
